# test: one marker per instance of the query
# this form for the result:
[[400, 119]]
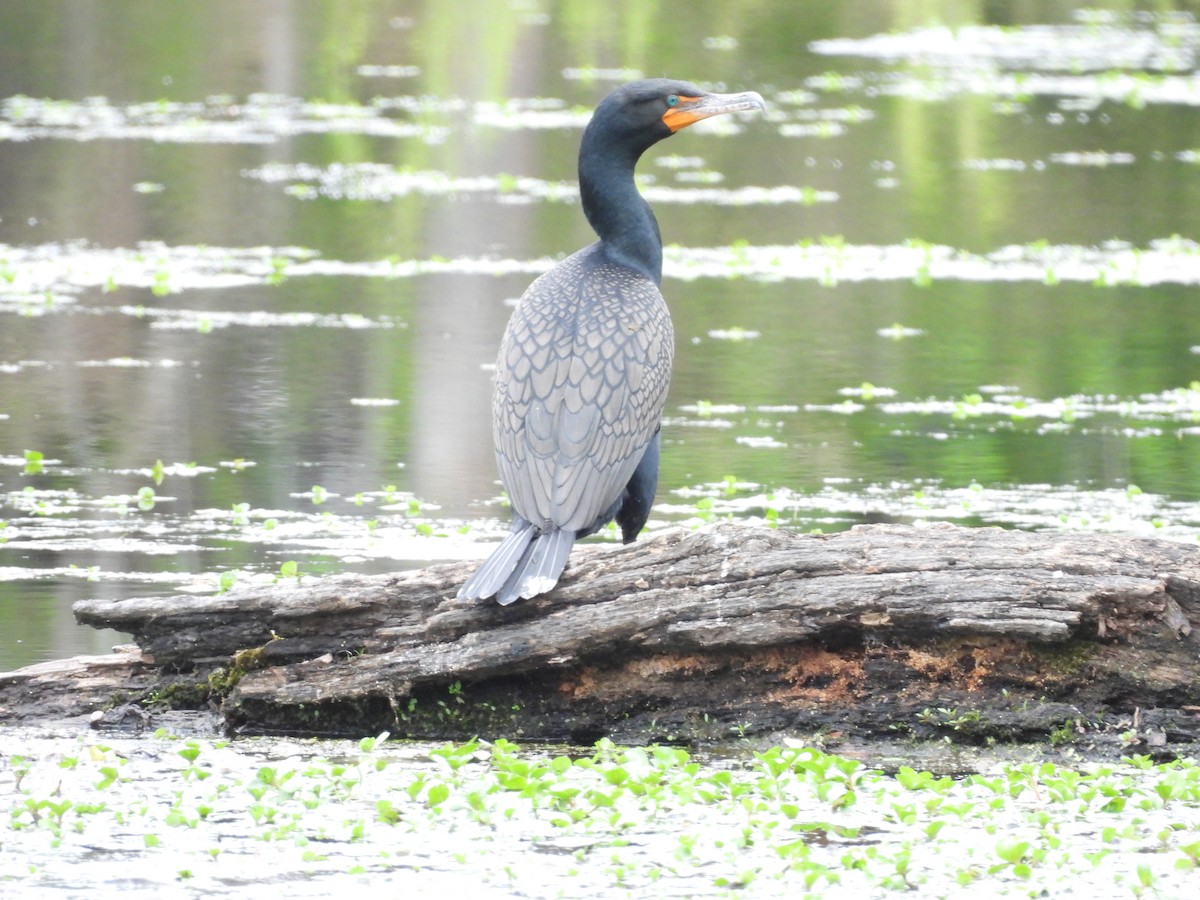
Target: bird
[[581, 376]]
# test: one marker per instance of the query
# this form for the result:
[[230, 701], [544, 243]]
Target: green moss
[[181, 695], [1064, 734], [223, 679], [1067, 659]]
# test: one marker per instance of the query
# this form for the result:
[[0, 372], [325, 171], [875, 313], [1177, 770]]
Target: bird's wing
[[580, 385]]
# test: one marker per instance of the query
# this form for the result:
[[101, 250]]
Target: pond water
[[255, 261], [163, 815]]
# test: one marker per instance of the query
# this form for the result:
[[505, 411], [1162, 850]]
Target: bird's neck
[[624, 221]]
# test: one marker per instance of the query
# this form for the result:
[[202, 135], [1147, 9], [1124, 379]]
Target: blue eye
[[673, 100]]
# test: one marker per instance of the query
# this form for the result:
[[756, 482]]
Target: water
[[254, 266], [255, 261], [500, 821]]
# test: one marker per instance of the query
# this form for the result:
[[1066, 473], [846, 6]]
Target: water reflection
[[272, 246]]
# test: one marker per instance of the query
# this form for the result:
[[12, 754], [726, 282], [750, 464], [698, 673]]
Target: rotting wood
[[885, 630]]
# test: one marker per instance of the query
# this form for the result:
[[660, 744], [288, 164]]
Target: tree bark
[[884, 631]]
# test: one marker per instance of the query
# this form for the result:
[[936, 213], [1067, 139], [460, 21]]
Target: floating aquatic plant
[[257, 119], [897, 332], [587, 821], [1033, 506], [35, 462], [735, 334], [382, 183]]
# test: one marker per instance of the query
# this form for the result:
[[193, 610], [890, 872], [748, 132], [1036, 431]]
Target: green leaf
[[1011, 850], [33, 462], [438, 794]]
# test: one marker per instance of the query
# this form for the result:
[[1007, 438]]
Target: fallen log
[[884, 631]]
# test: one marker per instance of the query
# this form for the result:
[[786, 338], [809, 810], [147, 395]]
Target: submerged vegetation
[[788, 821], [47, 279]]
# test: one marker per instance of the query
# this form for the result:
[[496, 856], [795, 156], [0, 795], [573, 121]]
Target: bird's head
[[644, 112]]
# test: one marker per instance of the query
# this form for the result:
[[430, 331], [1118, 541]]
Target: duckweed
[[549, 821]]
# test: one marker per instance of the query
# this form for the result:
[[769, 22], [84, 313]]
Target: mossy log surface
[[883, 632]]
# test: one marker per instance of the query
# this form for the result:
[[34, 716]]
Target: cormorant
[[583, 368]]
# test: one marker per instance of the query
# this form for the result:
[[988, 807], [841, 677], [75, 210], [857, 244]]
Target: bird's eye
[[673, 100]]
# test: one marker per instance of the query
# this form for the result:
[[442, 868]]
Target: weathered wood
[[978, 634], [63, 688]]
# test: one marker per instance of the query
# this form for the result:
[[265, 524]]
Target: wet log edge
[[881, 633]]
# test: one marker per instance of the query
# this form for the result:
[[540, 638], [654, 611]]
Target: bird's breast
[[582, 334], [581, 381]]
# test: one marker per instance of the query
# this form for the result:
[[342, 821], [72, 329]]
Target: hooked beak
[[692, 109]]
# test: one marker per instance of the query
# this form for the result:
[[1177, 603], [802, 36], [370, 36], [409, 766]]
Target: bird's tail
[[526, 563]]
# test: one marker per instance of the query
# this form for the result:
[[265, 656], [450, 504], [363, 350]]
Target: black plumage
[[582, 374]]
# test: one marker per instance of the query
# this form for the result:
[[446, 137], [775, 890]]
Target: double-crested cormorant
[[583, 368]]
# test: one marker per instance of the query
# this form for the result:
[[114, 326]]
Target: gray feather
[[491, 576], [539, 568]]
